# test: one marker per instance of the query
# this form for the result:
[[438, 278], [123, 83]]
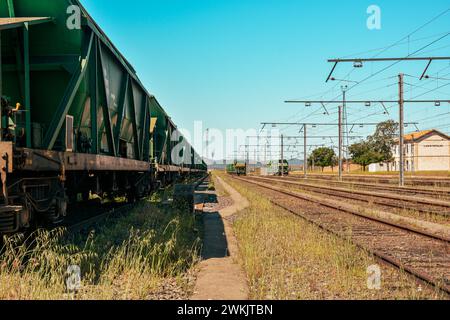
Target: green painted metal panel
[[160, 133], [58, 114], [57, 81], [122, 101]]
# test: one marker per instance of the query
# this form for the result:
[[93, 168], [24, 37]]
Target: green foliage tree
[[378, 147], [382, 141], [323, 157], [363, 153]]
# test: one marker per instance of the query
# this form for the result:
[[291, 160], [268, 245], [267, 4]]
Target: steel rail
[[353, 212], [411, 189], [82, 225], [394, 262], [430, 202], [422, 181], [386, 177]]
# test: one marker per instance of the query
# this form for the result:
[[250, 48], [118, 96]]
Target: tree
[[323, 157], [363, 153], [378, 147], [382, 141]]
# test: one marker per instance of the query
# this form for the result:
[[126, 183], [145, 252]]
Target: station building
[[427, 150]]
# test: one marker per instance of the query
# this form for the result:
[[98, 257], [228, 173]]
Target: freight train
[[75, 118]]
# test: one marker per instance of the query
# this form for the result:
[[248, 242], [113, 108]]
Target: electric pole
[[258, 158], [340, 142], [344, 91], [265, 153], [305, 154], [401, 123], [247, 157], [282, 155], [207, 141]]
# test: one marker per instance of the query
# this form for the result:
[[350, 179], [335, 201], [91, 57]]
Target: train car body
[[75, 118]]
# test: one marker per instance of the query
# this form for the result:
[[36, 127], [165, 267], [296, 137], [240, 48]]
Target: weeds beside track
[[425, 257], [147, 254]]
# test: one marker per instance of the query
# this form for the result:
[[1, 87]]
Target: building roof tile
[[421, 134]]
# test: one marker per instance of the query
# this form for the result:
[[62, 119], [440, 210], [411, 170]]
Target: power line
[[407, 37], [394, 45]]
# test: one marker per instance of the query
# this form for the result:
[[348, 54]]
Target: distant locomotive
[[283, 168], [239, 169], [75, 118], [280, 168]]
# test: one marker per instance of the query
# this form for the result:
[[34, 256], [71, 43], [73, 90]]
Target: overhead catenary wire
[[384, 49], [319, 111]]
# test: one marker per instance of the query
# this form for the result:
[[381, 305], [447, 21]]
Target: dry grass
[[132, 257], [287, 258]]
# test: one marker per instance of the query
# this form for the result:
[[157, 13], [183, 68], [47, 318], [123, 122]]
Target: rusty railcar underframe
[[41, 183]]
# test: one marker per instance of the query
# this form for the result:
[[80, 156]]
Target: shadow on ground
[[215, 243]]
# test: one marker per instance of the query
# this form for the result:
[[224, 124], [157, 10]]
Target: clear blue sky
[[232, 63]]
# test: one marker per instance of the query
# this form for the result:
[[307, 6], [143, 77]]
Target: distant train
[[283, 168], [75, 118], [275, 168], [239, 169]]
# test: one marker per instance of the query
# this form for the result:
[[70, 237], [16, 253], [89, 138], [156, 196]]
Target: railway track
[[92, 221], [419, 204], [113, 212], [388, 179], [407, 190], [419, 253]]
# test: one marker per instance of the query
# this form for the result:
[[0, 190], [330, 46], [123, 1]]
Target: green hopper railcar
[[75, 118]]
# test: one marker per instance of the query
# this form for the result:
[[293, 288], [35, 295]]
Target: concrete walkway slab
[[220, 276]]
